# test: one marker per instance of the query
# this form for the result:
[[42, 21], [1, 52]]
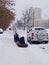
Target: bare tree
[[27, 16], [46, 24], [19, 24]]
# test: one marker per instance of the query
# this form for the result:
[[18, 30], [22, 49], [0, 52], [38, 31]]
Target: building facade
[[45, 23], [37, 16]]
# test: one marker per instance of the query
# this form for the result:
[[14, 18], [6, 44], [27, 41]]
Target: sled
[[23, 45]]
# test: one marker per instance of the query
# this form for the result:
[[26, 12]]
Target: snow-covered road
[[10, 54]]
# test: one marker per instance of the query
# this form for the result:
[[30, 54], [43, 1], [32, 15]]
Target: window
[[39, 28]]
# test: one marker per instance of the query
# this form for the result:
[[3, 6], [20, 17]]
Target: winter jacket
[[16, 37]]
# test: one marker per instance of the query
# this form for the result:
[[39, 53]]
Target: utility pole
[[33, 18]]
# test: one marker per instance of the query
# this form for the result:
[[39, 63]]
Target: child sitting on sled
[[20, 41]]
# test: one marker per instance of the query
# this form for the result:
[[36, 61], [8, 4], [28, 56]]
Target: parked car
[[1, 30], [37, 34]]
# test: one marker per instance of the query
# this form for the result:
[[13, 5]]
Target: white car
[[37, 34], [1, 30]]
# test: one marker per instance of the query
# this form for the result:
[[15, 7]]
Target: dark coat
[[21, 40], [16, 37]]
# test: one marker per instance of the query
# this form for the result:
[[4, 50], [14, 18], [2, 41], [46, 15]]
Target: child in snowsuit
[[19, 41], [16, 38]]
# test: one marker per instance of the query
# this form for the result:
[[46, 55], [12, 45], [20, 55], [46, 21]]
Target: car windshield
[[39, 29]]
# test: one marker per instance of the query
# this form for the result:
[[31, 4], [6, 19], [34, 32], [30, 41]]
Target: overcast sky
[[23, 4]]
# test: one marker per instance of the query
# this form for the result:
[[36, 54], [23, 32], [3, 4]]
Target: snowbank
[[10, 54]]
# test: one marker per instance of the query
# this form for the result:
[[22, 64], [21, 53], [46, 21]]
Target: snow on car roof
[[37, 27]]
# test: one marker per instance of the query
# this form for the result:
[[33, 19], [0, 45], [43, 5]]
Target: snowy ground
[[10, 54]]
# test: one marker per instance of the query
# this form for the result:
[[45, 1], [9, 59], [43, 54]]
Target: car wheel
[[28, 39], [35, 42], [46, 41]]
